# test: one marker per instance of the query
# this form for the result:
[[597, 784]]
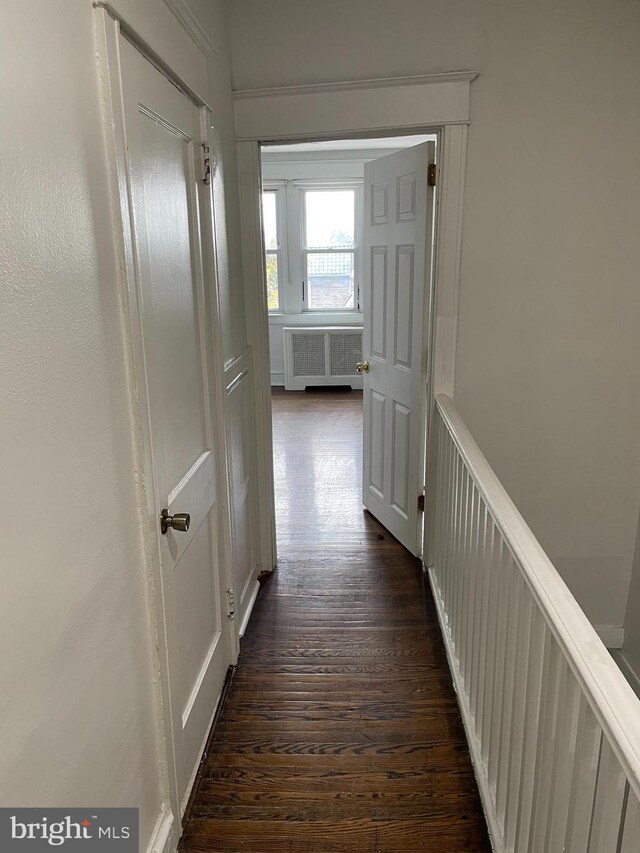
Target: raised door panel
[[378, 302], [377, 420], [403, 307], [168, 281], [379, 203], [400, 444], [406, 198]]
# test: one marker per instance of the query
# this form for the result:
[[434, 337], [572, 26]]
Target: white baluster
[[514, 589], [499, 655], [560, 785], [481, 579], [630, 841], [492, 625], [472, 587], [526, 637], [583, 782], [538, 668], [483, 661], [452, 499], [609, 803], [467, 580], [547, 746]]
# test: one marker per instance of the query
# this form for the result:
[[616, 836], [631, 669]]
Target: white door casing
[[163, 135], [397, 238]]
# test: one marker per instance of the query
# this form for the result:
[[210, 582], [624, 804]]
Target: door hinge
[[231, 603], [431, 175], [420, 503], [206, 166]]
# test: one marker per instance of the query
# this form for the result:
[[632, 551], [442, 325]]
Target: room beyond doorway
[[348, 248], [317, 454]]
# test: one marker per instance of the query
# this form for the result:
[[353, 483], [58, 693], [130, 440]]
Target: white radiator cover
[[321, 355]]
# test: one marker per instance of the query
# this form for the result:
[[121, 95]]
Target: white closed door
[[397, 226], [163, 137]]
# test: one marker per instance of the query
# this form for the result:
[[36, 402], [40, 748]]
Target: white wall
[[79, 697], [631, 645], [548, 343]]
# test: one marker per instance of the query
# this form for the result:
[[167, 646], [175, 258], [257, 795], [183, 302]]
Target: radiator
[[321, 355]]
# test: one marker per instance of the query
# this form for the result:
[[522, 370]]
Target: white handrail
[[612, 700]]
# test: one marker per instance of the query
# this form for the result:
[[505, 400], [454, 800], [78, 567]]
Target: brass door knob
[[362, 367], [180, 521]]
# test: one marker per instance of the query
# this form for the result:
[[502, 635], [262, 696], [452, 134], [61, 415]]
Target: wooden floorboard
[[341, 732]]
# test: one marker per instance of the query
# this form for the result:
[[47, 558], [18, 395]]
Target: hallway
[[341, 730]]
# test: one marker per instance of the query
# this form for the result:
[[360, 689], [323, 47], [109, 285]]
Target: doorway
[[328, 253]]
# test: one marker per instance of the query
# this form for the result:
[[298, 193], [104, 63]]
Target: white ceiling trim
[[192, 25], [353, 85]]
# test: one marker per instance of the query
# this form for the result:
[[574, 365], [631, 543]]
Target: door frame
[[110, 27], [436, 104]]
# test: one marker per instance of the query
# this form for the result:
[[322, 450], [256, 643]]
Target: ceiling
[[351, 144]]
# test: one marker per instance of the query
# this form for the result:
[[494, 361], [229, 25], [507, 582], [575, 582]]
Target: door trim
[[109, 30], [440, 332], [364, 107]]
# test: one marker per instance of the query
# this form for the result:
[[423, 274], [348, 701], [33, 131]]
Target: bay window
[[312, 247]]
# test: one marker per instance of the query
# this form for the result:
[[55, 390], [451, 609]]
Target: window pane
[[273, 296], [269, 220], [329, 218], [330, 281]]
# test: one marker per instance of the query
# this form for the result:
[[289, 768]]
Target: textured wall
[[76, 672]]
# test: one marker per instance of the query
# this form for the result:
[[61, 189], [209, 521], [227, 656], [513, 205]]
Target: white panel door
[[397, 223], [164, 155]]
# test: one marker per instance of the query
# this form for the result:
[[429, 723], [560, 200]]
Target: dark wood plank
[[341, 732]]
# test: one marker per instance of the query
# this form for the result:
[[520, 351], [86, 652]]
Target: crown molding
[[353, 85], [192, 25]]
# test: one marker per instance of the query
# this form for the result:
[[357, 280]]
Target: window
[[329, 250], [311, 246], [271, 248]]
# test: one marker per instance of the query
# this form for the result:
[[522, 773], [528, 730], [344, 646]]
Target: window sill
[[317, 318]]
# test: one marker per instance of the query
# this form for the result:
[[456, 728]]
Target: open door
[[397, 224]]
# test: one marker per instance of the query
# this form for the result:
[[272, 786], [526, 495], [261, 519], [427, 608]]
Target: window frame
[[328, 186], [278, 188]]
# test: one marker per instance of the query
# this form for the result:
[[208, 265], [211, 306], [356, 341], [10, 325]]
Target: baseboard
[[612, 636], [277, 380], [482, 781], [196, 778], [162, 840], [247, 613], [627, 670]]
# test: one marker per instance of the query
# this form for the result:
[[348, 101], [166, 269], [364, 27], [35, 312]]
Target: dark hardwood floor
[[340, 733]]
